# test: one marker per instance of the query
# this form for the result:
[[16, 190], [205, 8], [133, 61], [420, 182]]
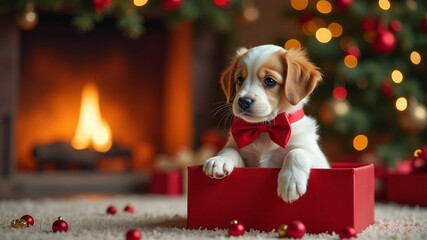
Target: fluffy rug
[[160, 217]]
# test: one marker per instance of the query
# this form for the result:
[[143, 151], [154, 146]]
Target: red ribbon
[[279, 129]]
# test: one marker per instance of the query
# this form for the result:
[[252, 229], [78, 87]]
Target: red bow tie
[[279, 129]]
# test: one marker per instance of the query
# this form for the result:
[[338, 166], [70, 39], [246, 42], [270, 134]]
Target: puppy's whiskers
[[225, 112]]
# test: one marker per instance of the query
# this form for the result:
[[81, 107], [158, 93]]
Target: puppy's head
[[267, 80]]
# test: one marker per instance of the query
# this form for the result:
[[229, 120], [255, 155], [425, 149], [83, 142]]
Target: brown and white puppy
[[262, 83]]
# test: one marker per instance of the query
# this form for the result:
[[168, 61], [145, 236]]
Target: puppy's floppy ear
[[227, 77], [301, 75]]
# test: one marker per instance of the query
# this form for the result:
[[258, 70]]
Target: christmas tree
[[129, 14], [373, 55]]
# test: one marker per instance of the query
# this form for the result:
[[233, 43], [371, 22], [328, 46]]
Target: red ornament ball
[[384, 43], [236, 229], [100, 5], [172, 5], [347, 232], [343, 4], [418, 165], [369, 23], [28, 219], [395, 26], [129, 208], [111, 210], [222, 3], [296, 229], [419, 162], [60, 225], [340, 93], [133, 234]]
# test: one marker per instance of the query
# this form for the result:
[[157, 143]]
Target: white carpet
[[165, 218]]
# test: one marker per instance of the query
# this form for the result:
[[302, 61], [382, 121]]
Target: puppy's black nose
[[245, 102]]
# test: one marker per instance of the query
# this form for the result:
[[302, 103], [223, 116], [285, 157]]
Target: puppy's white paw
[[218, 167], [293, 177], [292, 184]]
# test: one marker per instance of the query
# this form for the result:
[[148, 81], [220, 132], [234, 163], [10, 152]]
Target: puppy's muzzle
[[245, 103]]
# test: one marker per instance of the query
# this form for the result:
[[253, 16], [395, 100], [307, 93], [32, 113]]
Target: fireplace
[[56, 64], [154, 94]]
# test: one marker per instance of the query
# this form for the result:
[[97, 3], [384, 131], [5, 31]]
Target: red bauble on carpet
[[129, 208], [111, 210], [347, 232], [28, 219], [133, 234], [296, 229], [236, 229], [60, 225]]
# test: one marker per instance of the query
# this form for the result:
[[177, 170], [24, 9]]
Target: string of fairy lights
[[324, 32]]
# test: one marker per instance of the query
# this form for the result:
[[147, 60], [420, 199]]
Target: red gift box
[[168, 182], [337, 197], [405, 187]]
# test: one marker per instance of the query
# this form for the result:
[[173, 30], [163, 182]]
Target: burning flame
[[91, 129]]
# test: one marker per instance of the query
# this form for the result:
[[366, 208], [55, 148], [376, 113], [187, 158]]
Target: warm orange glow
[[360, 142], [177, 121], [336, 29], [292, 43], [324, 6], [350, 61], [299, 4], [92, 130]]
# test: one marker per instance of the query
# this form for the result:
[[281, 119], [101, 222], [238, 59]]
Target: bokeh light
[[299, 4], [384, 4], [323, 35], [360, 142], [401, 104], [324, 6], [350, 61], [417, 152], [140, 3], [336, 29], [340, 93], [397, 76], [292, 43], [415, 57], [341, 108], [309, 28], [420, 112]]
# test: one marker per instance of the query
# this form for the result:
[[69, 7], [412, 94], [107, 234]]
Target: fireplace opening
[[57, 64]]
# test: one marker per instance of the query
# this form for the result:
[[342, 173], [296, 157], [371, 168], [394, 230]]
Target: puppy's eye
[[269, 82], [240, 80]]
